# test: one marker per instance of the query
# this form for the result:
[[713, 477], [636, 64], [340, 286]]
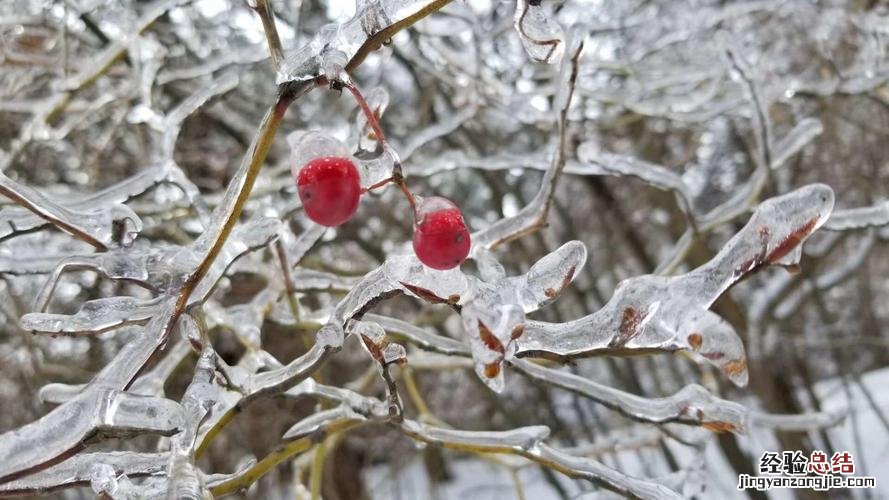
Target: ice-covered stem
[[693, 405], [857, 218], [77, 470], [229, 211], [397, 172], [139, 267], [15, 221], [95, 228], [747, 196], [267, 16], [65, 430], [356, 410], [369, 114], [105, 60], [655, 175], [378, 39], [254, 386], [534, 215], [185, 480], [21, 455], [550, 45], [289, 289], [528, 442], [761, 121], [655, 313]]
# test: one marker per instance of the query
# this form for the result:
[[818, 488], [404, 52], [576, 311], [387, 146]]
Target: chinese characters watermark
[[793, 469]]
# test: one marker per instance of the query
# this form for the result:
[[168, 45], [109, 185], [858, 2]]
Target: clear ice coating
[[104, 227], [142, 264], [542, 38], [671, 313]]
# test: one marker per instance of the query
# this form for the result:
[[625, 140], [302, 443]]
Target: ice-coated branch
[[264, 10], [248, 386], [158, 270], [656, 175], [18, 220], [656, 313], [693, 405], [827, 279], [858, 218], [78, 471], [534, 215], [94, 317], [492, 308], [100, 409], [184, 478], [50, 109], [354, 409], [541, 36], [528, 442], [96, 411], [761, 122], [102, 227], [796, 139], [343, 47]]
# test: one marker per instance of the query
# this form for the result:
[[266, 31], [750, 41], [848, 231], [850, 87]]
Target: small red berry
[[329, 188], [441, 240]]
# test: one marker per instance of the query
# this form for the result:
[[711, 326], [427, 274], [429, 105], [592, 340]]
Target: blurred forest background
[[684, 116]]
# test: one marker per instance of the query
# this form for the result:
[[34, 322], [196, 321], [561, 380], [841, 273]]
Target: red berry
[[329, 188], [441, 240]]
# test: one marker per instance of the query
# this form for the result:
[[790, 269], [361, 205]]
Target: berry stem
[[397, 173], [368, 113], [408, 195], [377, 185]]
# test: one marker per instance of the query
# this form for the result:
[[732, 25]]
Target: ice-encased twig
[[693, 405], [264, 10], [527, 442], [102, 227], [173, 120], [158, 270], [353, 40], [492, 309], [185, 479], [796, 139], [248, 386], [63, 431], [656, 313], [440, 129], [420, 336], [541, 36], [859, 218], [534, 214], [827, 279], [77, 471], [18, 220], [656, 175], [94, 317]]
